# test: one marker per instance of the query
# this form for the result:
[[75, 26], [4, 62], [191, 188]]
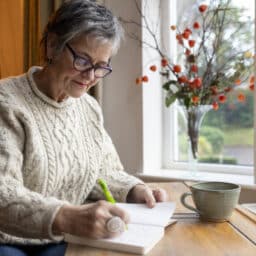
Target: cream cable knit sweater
[[50, 154]]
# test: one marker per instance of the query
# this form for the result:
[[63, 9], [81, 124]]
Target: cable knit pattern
[[50, 154]]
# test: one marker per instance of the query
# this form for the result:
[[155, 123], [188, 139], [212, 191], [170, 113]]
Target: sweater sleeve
[[119, 182], [23, 213]]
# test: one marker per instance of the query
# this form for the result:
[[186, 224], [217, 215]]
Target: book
[[145, 230]]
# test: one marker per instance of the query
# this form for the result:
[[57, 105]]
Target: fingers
[[160, 195], [108, 210], [154, 195], [117, 211], [91, 220], [149, 197], [142, 193], [117, 218]]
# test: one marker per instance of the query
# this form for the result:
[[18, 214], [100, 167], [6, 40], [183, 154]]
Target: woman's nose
[[88, 74]]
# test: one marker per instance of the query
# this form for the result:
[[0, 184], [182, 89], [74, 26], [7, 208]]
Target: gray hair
[[83, 17]]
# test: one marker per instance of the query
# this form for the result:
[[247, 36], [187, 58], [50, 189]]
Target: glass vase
[[193, 117]]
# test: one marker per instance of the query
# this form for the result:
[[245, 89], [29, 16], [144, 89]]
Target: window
[[227, 135]]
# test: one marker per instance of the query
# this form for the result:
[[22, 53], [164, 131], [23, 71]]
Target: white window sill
[[246, 181]]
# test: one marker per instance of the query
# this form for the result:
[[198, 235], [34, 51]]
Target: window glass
[[226, 135]]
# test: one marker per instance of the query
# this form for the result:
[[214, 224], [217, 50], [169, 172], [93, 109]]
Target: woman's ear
[[51, 46]]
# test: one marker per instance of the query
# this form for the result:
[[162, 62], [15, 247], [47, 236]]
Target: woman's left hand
[[144, 194]]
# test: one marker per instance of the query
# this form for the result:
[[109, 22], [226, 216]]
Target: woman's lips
[[82, 85]]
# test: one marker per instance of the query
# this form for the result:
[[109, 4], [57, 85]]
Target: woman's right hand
[[87, 220]]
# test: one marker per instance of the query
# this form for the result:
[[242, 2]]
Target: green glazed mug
[[214, 201]]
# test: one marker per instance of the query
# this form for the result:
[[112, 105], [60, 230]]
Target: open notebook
[[145, 229]]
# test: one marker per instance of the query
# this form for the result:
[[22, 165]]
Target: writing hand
[[88, 220]]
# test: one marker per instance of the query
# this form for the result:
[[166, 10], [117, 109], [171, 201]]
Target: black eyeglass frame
[[92, 66]]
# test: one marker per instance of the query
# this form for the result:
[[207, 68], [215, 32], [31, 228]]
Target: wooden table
[[190, 236]]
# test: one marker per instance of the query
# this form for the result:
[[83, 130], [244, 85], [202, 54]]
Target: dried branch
[[213, 56]]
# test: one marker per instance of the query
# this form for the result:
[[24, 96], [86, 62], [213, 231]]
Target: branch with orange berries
[[211, 64]]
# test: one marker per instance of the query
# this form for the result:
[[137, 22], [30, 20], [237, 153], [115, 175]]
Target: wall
[[248, 195], [122, 100], [133, 113]]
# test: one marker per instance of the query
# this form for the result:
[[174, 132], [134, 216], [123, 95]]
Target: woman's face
[[70, 82]]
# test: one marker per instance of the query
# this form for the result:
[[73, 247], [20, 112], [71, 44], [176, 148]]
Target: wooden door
[[11, 37]]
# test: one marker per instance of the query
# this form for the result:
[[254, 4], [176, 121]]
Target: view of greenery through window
[[226, 135]]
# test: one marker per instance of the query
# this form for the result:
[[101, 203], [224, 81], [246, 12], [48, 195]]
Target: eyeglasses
[[85, 65]]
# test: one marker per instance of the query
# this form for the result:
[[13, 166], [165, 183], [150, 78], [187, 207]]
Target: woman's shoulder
[[10, 89], [12, 94]]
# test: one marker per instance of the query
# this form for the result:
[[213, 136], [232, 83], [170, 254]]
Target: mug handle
[[182, 199]]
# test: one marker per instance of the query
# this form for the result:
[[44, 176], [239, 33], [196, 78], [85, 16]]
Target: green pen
[[106, 191]]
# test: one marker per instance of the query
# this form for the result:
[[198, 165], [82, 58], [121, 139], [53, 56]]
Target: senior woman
[[53, 146]]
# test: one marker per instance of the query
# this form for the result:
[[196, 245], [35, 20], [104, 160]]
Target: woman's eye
[[82, 62]]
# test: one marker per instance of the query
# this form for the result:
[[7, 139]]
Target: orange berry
[[179, 37], [173, 27], [197, 82], [192, 84], [153, 68], [145, 79], [138, 80], [215, 105], [202, 7], [222, 98], [251, 86], [177, 68], [194, 68], [196, 25], [182, 79], [188, 30], [164, 62], [195, 99], [241, 97], [238, 81], [191, 43], [185, 34], [252, 79]]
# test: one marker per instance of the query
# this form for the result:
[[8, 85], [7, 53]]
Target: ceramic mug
[[214, 201]]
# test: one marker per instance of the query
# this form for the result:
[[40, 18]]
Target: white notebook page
[[141, 214], [139, 235], [137, 239]]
